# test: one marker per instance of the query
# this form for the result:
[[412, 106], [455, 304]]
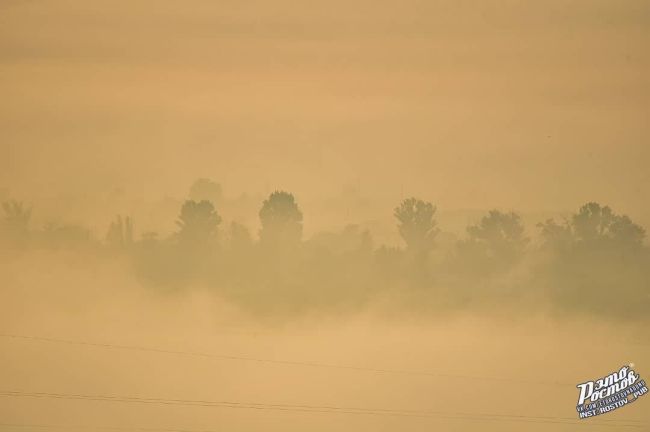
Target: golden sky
[[516, 104]]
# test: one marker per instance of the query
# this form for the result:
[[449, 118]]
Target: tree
[[556, 236], [417, 225], [592, 221], [16, 215], [281, 220], [625, 231], [595, 223], [596, 253], [501, 235], [120, 233], [16, 220], [594, 226], [198, 223]]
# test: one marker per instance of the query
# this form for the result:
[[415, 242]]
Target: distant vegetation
[[595, 261]]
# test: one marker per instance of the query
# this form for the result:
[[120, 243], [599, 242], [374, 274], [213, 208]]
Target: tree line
[[594, 261]]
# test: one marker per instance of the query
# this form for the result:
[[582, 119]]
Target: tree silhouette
[[16, 215], [594, 226], [281, 220], [417, 225], [198, 223], [594, 254], [627, 232], [120, 233], [594, 223], [556, 236], [501, 235], [16, 220]]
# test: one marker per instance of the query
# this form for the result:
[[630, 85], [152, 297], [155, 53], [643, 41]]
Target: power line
[[274, 361], [303, 408], [326, 409]]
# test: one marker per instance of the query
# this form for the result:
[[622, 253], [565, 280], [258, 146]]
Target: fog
[[202, 332], [445, 373], [355, 216]]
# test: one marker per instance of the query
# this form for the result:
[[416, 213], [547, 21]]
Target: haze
[[315, 216], [527, 105]]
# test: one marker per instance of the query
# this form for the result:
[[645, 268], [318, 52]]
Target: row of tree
[[581, 263]]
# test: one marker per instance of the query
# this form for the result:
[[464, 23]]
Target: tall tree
[[281, 220], [198, 223], [417, 224]]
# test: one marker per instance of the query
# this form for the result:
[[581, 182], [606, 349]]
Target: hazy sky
[[516, 104]]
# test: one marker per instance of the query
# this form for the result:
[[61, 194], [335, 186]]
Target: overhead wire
[[278, 361], [327, 409]]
